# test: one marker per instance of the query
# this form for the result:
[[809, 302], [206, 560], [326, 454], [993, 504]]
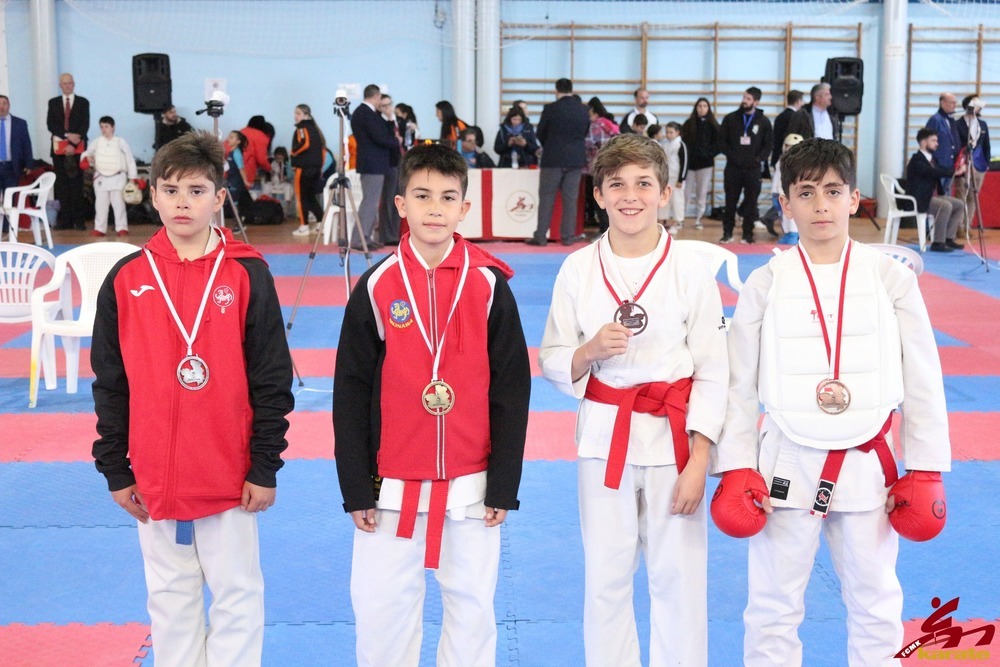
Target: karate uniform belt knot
[[661, 399]]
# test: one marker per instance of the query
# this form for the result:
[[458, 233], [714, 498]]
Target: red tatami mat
[[101, 645]]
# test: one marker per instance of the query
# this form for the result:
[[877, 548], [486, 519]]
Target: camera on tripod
[[215, 106], [341, 105]]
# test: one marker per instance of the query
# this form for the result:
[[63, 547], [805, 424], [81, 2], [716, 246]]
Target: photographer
[[974, 138]]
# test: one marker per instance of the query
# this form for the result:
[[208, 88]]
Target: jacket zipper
[[432, 297]]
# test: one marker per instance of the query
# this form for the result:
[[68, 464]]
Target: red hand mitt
[[920, 511], [733, 508]]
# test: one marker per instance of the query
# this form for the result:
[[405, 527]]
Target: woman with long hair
[[308, 150], [516, 142], [602, 128], [406, 120], [451, 125], [700, 134]]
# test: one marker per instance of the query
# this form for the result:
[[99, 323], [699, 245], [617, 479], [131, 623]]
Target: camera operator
[[974, 138]]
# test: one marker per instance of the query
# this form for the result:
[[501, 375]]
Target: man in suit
[[562, 130], [375, 142], [795, 98], [387, 214], [68, 120], [15, 149], [948, 142], [923, 178], [816, 118]]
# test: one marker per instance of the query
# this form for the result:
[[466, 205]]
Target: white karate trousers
[[617, 525], [225, 555], [863, 547], [388, 586]]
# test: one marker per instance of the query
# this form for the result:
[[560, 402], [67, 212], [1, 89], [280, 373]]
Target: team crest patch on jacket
[[223, 297], [400, 314]]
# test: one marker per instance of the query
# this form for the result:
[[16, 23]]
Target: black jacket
[[562, 130], [759, 130], [375, 141], [802, 123], [701, 136], [923, 180]]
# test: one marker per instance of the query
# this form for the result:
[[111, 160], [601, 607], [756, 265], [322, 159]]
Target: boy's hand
[[689, 488], [131, 501], [495, 516], [364, 520], [609, 341], [257, 498]]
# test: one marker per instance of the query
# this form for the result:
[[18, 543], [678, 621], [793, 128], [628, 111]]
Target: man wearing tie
[[68, 120], [15, 148]]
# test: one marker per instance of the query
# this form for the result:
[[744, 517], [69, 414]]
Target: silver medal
[[192, 372]]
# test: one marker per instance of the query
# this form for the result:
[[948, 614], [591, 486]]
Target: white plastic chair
[[89, 265], [20, 265], [715, 256], [15, 204], [331, 209], [895, 194], [901, 254]]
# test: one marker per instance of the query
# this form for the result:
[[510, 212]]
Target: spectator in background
[[972, 130], [406, 121], [516, 143], [923, 177], [375, 144], [308, 150], [795, 99], [113, 164], [641, 96], [700, 133], [389, 221], [640, 124], [469, 148], [948, 143], [169, 127], [236, 146], [451, 125], [815, 119], [259, 134], [15, 150], [602, 128], [68, 120], [746, 141], [562, 131]]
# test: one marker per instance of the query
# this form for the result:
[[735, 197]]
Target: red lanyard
[[604, 274], [840, 307]]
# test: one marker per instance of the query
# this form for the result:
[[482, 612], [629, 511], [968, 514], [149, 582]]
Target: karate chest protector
[[793, 358], [108, 157]]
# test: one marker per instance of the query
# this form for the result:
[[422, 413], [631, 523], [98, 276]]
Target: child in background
[[279, 185], [639, 124], [236, 143], [430, 411], [670, 140], [790, 232], [633, 332], [113, 164]]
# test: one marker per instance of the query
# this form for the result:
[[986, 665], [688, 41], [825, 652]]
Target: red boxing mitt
[[733, 508], [920, 510]]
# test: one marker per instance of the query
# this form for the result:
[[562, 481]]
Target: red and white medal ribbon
[[201, 368], [833, 389], [435, 350], [625, 303]]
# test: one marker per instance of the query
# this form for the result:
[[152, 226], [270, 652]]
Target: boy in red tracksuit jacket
[[192, 390], [430, 410]]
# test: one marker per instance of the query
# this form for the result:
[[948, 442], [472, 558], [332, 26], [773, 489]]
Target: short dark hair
[[630, 148], [438, 158], [754, 92], [640, 119], [564, 86], [925, 133], [371, 90], [192, 154], [107, 119], [818, 87], [653, 130], [794, 97], [674, 125], [812, 158]]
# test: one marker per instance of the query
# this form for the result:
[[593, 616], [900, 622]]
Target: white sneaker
[[697, 224], [759, 225], [679, 225], [302, 230]]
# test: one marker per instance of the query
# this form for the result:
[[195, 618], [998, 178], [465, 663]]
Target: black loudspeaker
[[151, 86], [846, 79]]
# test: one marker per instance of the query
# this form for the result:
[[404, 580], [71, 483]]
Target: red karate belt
[[435, 517], [662, 399], [835, 459]]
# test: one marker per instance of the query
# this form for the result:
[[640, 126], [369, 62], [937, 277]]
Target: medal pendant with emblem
[[192, 372], [438, 398], [632, 316], [833, 397]]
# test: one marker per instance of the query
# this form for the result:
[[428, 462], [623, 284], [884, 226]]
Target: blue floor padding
[[14, 397], [944, 340], [966, 270], [326, 263], [315, 327]]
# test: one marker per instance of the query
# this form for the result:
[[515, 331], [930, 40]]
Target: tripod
[[215, 113], [973, 188], [339, 195]]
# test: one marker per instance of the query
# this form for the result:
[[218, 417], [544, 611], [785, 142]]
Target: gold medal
[[192, 372], [438, 398], [833, 397]]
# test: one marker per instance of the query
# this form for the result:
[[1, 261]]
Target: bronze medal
[[438, 398], [632, 316], [833, 397]]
